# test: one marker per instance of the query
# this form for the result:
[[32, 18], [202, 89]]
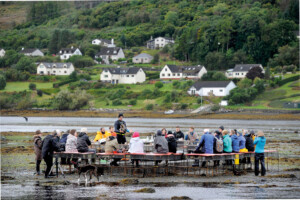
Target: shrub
[[39, 92], [215, 108], [133, 102], [149, 107], [159, 84], [183, 106], [116, 102], [2, 82], [32, 86]]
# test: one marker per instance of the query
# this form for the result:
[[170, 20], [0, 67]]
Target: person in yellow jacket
[[102, 134]]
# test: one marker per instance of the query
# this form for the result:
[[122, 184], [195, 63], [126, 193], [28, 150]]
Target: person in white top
[[136, 145]]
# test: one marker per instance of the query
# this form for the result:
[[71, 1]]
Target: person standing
[[235, 141], [227, 145], [260, 142], [50, 144], [121, 129], [242, 141], [37, 141]]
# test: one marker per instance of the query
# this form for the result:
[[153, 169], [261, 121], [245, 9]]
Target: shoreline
[[245, 115]]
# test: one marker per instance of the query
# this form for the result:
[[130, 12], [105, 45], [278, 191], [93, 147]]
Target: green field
[[21, 86]]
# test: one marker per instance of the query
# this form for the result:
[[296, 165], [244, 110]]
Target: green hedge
[[56, 85], [287, 80]]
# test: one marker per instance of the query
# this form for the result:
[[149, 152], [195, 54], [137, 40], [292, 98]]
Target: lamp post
[[218, 45]]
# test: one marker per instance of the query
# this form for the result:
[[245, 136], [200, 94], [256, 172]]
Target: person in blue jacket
[[235, 142], [206, 146], [260, 142]]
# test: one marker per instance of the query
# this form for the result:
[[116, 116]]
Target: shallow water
[[143, 125]]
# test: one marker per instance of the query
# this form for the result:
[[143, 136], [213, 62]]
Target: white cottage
[[240, 70], [179, 72], [45, 68], [110, 53], [2, 52], [142, 58], [214, 88], [31, 52], [66, 53], [104, 42], [130, 75], [159, 42]]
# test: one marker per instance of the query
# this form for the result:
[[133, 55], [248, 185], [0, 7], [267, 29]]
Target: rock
[[267, 186], [282, 176], [129, 181], [178, 198], [5, 178], [145, 190]]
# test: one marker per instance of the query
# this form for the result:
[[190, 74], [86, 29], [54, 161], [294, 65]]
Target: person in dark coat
[[50, 144], [249, 144], [37, 141], [62, 145], [172, 144], [121, 129], [83, 142], [218, 135], [178, 134]]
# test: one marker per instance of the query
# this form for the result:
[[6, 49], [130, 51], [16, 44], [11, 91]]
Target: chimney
[[72, 47], [112, 41]]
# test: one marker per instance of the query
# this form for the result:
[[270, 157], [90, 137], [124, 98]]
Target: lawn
[[21, 86]]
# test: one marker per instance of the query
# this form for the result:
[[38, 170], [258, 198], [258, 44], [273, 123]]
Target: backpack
[[219, 145]]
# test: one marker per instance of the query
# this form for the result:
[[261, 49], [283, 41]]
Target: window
[[106, 70], [193, 92], [136, 59], [174, 74], [166, 69], [162, 74], [169, 74], [54, 71], [178, 74], [127, 76], [132, 75], [242, 73], [236, 73], [65, 56], [221, 90], [65, 66], [65, 72], [105, 76]]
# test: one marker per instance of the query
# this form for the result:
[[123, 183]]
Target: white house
[[179, 72], [130, 75], [142, 58], [208, 88], [240, 70], [45, 68], [110, 53], [32, 52], [66, 53], [104, 42], [159, 42], [2, 52]]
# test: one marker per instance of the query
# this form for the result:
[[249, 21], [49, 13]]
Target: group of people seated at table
[[219, 141]]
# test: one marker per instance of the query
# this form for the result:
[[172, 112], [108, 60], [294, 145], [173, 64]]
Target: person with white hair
[[206, 146], [83, 142]]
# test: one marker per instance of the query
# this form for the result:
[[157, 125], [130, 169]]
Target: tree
[[219, 76], [267, 73], [155, 59], [215, 61], [159, 84], [287, 55], [244, 83], [32, 86], [2, 82], [73, 76], [259, 84], [171, 18], [255, 72], [26, 64]]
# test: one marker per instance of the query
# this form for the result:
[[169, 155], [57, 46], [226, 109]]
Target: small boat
[[169, 112]]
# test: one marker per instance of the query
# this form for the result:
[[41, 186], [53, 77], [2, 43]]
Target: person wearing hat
[[160, 145], [260, 142], [136, 145], [37, 141], [121, 129]]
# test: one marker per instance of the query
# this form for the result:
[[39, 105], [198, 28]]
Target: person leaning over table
[[112, 145]]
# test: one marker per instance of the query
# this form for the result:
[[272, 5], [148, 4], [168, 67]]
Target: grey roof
[[130, 70], [57, 65], [109, 51], [28, 50], [210, 84], [244, 67], [106, 41], [185, 69], [143, 55], [67, 50]]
